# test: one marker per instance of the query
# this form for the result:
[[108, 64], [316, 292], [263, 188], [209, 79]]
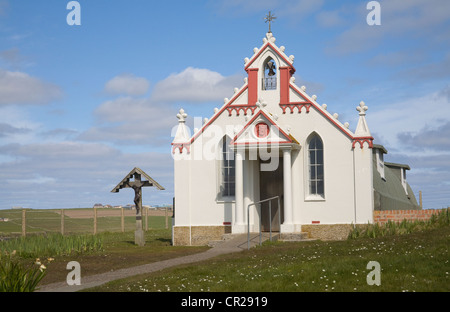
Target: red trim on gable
[[251, 121], [243, 107], [219, 113], [299, 107], [318, 109], [268, 44], [362, 140], [252, 86], [262, 143], [180, 147], [285, 76]]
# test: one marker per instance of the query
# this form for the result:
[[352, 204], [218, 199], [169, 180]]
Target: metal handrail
[[260, 225]]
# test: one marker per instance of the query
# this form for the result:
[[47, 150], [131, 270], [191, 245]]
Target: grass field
[[417, 262], [119, 251]]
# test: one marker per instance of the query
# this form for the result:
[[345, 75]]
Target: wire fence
[[20, 222]]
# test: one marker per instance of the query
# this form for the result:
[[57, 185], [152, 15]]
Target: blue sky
[[80, 106]]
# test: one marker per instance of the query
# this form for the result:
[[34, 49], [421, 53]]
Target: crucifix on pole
[[137, 186]]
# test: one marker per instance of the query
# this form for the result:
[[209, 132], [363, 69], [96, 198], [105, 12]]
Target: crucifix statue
[[269, 18], [137, 186]]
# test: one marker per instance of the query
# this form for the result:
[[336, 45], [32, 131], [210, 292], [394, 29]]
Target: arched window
[[315, 158], [227, 169], [270, 75]]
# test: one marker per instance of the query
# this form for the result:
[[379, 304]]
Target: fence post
[[24, 223], [95, 221], [62, 221], [122, 221], [167, 219]]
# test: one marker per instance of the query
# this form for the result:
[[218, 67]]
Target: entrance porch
[[263, 173]]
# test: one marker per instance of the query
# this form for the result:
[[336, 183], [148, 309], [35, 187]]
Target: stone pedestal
[[139, 237]]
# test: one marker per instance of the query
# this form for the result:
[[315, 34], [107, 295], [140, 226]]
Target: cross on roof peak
[[270, 18]]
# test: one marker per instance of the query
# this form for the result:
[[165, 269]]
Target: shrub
[[17, 277], [51, 245], [440, 219]]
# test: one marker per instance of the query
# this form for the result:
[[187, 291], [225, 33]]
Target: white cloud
[[420, 20], [7, 129], [124, 109], [410, 115], [70, 174], [436, 138], [195, 85], [128, 120], [21, 88], [429, 174], [12, 57], [127, 84], [18, 126]]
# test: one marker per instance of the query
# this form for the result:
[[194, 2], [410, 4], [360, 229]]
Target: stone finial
[[182, 133], [182, 116], [362, 130], [362, 108], [270, 37], [261, 103]]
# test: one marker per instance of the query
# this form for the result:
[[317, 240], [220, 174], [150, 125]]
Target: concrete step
[[241, 240]]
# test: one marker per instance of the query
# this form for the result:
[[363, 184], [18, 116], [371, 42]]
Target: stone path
[[235, 244]]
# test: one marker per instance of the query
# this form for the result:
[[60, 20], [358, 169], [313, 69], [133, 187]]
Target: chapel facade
[[272, 140]]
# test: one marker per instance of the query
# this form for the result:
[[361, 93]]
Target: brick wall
[[382, 217]]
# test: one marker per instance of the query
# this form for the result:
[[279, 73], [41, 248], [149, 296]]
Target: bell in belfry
[[271, 68]]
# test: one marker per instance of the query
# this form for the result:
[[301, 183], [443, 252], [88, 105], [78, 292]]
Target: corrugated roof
[[389, 194]]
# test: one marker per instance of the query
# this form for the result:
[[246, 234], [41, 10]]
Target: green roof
[[389, 193]]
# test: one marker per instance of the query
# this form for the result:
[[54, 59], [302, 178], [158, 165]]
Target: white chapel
[[272, 140]]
